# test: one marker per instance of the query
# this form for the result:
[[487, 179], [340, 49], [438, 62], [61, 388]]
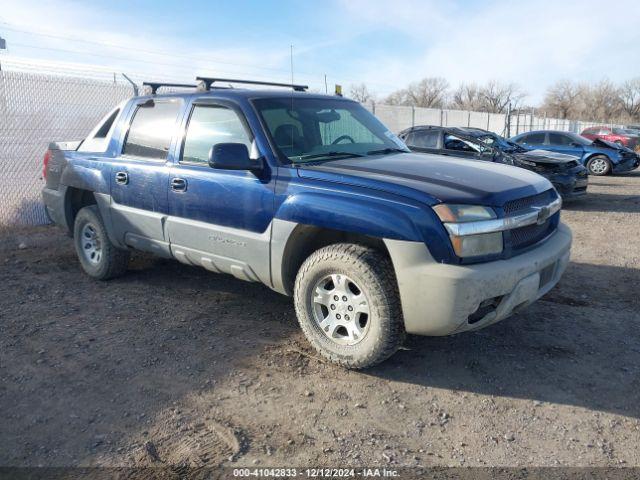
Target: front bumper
[[626, 165], [441, 299], [570, 185]]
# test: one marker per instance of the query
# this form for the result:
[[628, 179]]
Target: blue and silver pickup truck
[[314, 197]]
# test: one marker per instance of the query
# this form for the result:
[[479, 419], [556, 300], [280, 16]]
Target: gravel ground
[[171, 365]]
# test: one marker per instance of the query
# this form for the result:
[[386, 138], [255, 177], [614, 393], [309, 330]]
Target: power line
[[308, 75]]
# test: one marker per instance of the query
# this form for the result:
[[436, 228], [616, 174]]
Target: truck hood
[[432, 178]]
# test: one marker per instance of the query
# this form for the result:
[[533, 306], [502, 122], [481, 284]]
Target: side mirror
[[232, 156]]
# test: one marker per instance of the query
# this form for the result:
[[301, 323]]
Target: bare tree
[[563, 99], [429, 92], [360, 93], [497, 96], [467, 97], [629, 96], [602, 101], [399, 97]]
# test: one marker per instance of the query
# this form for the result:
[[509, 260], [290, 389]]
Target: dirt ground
[[171, 365]]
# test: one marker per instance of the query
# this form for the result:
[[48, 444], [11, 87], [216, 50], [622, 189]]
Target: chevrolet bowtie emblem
[[543, 214]]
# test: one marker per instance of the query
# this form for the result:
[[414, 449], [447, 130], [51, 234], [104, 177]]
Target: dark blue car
[[599, 156]]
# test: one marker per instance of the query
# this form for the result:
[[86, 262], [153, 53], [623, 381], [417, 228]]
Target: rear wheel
[[599, 165], [348, 306], [98, 256]]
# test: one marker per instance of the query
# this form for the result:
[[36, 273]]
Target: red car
[[614, 135]]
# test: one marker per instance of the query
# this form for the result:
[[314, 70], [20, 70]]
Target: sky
[[385, 44]]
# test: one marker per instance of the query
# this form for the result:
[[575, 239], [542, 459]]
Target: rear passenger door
[[140, 175], [220, 219]]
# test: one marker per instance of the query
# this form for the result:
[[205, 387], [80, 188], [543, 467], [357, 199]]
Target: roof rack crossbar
[[156, 85], [209, 81]]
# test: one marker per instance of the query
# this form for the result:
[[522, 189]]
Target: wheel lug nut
[[336, 298], [333, 307], [350, 308], [344, 298], [338, 316], [346, 317]]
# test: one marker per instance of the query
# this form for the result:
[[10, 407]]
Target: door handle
[[122, 178], [178, 184]]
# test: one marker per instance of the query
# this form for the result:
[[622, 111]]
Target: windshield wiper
[[328, 155], [382, 151]]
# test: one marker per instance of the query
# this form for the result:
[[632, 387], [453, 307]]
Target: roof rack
[[209, 81], [156, 85]]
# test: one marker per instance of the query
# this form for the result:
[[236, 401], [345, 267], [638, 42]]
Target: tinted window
[[208, 126], [559, 139], [451, 142], [423, 139], [151, 129], [106, 126], [533, 139]]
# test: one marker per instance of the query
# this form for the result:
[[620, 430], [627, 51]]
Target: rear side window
[[105, 128], [208, 126], [559, 139], [151, 129], [425, 139], [533, 139]]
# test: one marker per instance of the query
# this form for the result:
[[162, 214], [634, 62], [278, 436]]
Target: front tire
[[99, 258], [348, 306], [599, 165]]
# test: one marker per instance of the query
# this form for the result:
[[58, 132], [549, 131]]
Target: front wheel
[[98, 256], [599, 165], [348, 306]]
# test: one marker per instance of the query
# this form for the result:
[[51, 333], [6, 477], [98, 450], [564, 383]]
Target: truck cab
[[312, 196]]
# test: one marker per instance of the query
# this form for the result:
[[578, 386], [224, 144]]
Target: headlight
[[473, 245]]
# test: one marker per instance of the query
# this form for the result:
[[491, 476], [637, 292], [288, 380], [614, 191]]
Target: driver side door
[[220, 219]]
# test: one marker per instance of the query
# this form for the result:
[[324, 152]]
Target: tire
[[367, 327], [99, 258], [599, 165]]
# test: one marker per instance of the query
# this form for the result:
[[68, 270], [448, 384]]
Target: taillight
[[45, 162]]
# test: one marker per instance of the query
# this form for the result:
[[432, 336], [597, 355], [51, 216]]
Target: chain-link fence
[[38, 107]]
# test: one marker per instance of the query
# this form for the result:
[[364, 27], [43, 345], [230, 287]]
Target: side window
[[533, 139], [559, 139], [604, 131], [208, 126], [104, 129], [151, 129], [423, 139], [451, 142]]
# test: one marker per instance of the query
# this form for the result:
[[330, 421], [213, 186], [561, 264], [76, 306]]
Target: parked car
[[565, 172], [599, 156], [312, 196], [619, 136]]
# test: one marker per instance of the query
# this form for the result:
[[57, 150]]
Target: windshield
[[318, 129]]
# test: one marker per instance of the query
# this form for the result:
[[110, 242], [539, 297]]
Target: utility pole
[[292, 64], [3, 46]]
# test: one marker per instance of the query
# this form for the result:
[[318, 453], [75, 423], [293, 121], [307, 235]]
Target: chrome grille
[[524, 237], [541, 199]]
